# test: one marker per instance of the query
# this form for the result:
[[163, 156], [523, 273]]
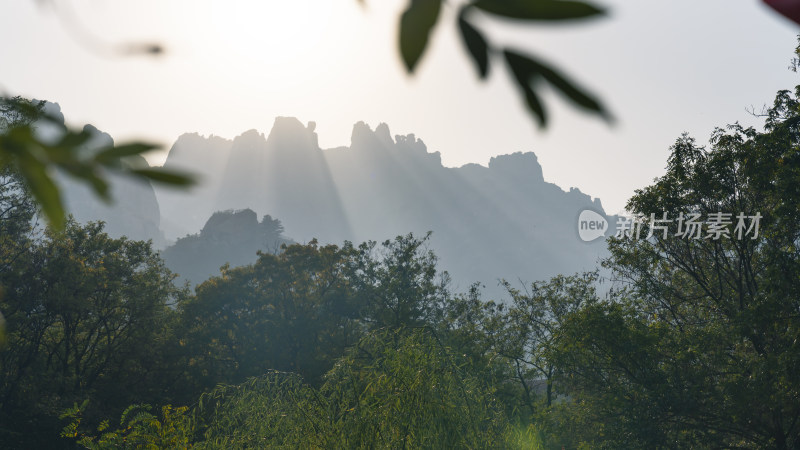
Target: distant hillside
[[500, 221], [228, 237], [134, 211], [206, 157]]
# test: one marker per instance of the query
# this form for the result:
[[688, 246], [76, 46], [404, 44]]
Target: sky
[[662, 68]]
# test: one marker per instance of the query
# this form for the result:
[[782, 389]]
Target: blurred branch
[[93, 43], [421, 16]]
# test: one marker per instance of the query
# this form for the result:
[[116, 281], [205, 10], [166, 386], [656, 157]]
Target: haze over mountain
[[489, 222], [500, 221], [228, 237], [134, 211]]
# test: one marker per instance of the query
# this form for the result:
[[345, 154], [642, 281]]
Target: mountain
[[134, 211], [489, 222], [228, 237], [286, 175], [205, 157]]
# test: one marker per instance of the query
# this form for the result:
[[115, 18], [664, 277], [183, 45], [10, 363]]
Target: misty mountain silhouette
[[500, 221], [134, 211], [228, 237]]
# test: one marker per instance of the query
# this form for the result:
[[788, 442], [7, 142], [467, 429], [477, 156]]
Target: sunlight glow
[[272, 31]]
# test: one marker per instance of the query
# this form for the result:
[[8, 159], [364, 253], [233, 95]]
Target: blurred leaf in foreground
[[419, 20]]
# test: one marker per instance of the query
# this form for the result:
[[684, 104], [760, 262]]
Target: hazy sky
[[662, 68]]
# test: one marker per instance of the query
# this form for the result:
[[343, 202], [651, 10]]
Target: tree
[[398, 283], [527, 328], [701, 345], [291, 311], [17, 208], [395, 389], [141, 429], [300, 309], [17, 229], [512, 345], [86, 316]]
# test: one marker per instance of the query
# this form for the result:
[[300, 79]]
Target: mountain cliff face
[[134, 211], [187, 210], [287, 176], [500, 221]]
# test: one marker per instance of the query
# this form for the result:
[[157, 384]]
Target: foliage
[[398, 283], [421, 16], [526, 330], [396, 389], [406, 388], [512, 344], [17, 224], [86, 315], [141, 429], [292, 311], [701, 346], [298, 310]]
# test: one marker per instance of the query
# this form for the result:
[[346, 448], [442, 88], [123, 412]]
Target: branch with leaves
[[530, 74]]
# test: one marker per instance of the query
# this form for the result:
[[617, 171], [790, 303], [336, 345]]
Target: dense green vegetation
[[695, 343]]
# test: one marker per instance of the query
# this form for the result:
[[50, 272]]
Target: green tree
[[526, 330], [86, 316], [141, 429], [17, 229], [17, 208], [701, 347], [396, 389], [398, 283], [298, 310], [292, 311], [512, 344]]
